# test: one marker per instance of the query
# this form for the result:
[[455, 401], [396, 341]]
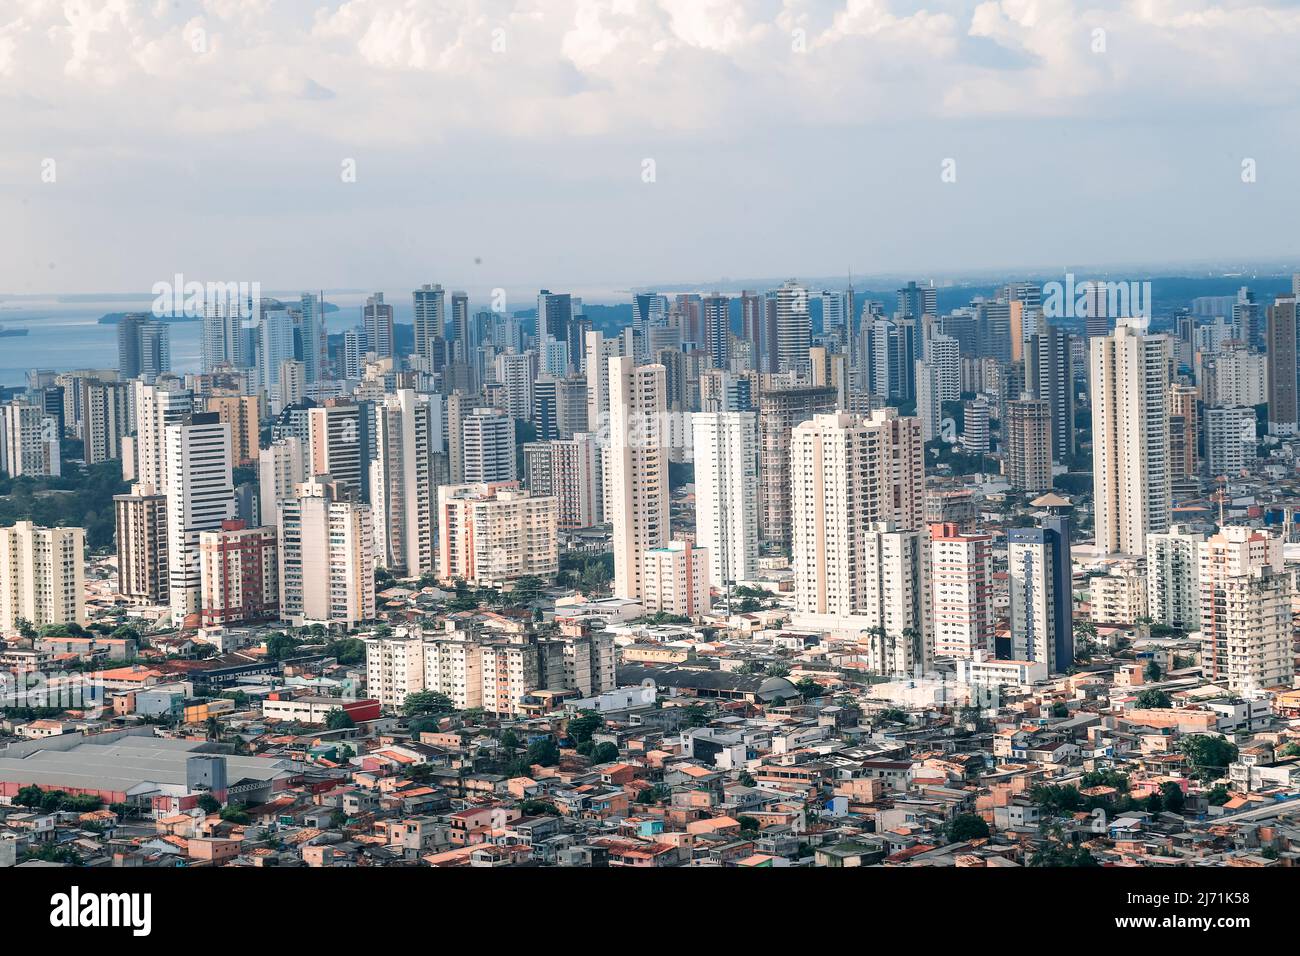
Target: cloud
[[518, 102]]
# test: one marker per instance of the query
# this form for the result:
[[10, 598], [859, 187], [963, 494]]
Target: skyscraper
[[1130, 438], [1027, 434], [1245, 611], [789, 327], [42, 576], [429, 306], [1039, 575], [726, 493], [847, 474], [141, 524], [327, 555], [717, 328], [780, 410], [313, 337], [200, 496], [157, 406], [377, 316], [1283, 411], [488, 447], [638, 468], [1049, 376], [961, 582], [403, 478]]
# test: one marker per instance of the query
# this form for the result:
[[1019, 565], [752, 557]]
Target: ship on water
[[7, 333]]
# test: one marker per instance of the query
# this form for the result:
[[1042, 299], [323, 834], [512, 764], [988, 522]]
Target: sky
[[590, 145]]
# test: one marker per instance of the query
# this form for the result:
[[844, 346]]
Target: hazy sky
[[503, 142]]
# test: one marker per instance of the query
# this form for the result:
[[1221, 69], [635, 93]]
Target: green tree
[[966, 826], [545, 752], [748, 824], [427, 702], [584, 724], [809, 688], [29, 796], [339, 719], [280, 646], [1207, 757], [1218, 795], [236, 813], [208, 803], [1152, 698], [1152, 672], [1173, 796], [538, 808], [604, 753]]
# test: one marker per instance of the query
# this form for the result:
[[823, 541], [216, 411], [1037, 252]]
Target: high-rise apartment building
[[780, 410], [1245, 611], [377, 317], [29, 441], [1282, 354], [327, 555], [1049, 376], [1173, 577], [242, 413], [487, 438], [638, 468], [726, 493], [789, 328], [1130, 438], [1027, 434], [407, 469], [492, 534], [570, 471], [200, 497], [846, 474], [239, 575], [961, 582], [429, 307], [1039, 577], [675, 580], [42, 577], [141, 521]]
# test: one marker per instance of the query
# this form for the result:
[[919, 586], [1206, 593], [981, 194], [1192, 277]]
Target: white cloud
[[539, 92]]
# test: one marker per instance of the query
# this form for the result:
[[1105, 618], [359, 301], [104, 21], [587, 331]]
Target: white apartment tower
[[1173, 577], [327, 555], [487, 447], [41, 576], [200, 496], [403, 478], [675, 580], [1130, 438], [1245, 611], [847, 473], [29, 441], [638, 468], [961, 581], [495, 533], [726, 493]]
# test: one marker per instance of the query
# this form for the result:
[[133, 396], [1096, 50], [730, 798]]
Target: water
[[66, 335]]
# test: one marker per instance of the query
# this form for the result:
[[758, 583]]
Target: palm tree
[[878, 632], [913, 636]]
